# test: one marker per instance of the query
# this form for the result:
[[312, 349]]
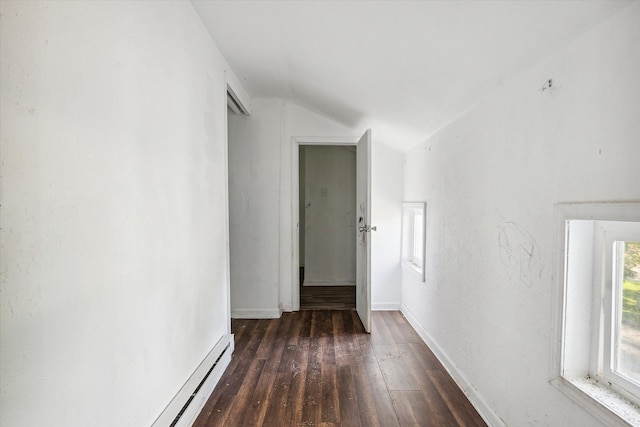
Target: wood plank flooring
[[319, 368], [327, 297]]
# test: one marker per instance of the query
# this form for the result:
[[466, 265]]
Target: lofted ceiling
[[403, 68]]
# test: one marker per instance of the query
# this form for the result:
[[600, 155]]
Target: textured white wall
[[330, 218], [491, 180], [114, 271]]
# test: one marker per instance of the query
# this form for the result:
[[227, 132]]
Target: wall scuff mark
[[518, 251], [547, 85]]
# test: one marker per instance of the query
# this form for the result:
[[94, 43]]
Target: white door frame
[[296, 142], [235, 93]]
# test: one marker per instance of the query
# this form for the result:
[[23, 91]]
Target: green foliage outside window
[[631, 284]]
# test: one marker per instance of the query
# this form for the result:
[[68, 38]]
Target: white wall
[[386, 205], [282, 120], [330, 219], [254, 229], [114, 259], [491, 180]]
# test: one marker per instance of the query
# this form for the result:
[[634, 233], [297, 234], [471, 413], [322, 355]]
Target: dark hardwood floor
[[326, 297], [319, 368]]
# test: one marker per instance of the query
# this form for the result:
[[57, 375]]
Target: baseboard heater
[[188, 402]]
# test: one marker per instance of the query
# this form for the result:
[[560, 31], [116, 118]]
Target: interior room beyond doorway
[[327, 254]]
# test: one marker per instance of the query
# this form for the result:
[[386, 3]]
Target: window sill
[[605, 404], [414, 268]]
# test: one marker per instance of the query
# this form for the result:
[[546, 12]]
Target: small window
[[600, 339], [413, 237]]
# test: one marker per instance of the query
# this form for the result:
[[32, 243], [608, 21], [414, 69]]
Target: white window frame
[[611, 232], [584, 300], [414, 237]]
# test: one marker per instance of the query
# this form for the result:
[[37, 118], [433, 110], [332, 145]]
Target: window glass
[[418, 232], [626, 279]]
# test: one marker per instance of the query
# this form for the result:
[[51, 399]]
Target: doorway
[[363, 219], [327, 218]]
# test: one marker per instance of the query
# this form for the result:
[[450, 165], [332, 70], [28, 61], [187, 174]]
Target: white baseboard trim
[[478, 402], [385, 306], [189, 401], [328, 282], [244, 313], [286, 308]]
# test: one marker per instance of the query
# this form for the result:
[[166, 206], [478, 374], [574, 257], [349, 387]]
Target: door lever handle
[[368, 228]]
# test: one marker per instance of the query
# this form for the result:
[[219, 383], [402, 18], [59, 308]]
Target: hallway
[[319, 368]]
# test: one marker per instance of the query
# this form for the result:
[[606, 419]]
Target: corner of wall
[[476, 399]]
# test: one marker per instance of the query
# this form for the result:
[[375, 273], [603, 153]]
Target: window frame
[[571, 371], [612, 232], [411, 258]]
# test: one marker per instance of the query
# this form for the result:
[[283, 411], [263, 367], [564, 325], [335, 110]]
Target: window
[[413, 237], [599, 354], [621, 352]]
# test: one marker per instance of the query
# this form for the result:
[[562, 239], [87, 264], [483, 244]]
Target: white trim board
[[192, 396], [237, 92], [385, 306], [243, 313], [476, 399], [286, 308], [329, 283]]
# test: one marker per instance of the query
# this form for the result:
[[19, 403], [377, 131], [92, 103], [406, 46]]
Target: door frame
[[238, 98], [296, 142]]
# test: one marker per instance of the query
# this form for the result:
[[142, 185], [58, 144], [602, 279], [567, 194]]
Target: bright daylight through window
[[616, 249], [418, 233]]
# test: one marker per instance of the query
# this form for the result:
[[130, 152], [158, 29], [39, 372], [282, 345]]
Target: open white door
[[363, 237]]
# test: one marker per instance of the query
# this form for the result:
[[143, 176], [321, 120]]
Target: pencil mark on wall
[[519, 253], [547, 85]]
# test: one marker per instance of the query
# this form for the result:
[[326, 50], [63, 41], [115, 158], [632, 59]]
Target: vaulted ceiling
[[403, 68]]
